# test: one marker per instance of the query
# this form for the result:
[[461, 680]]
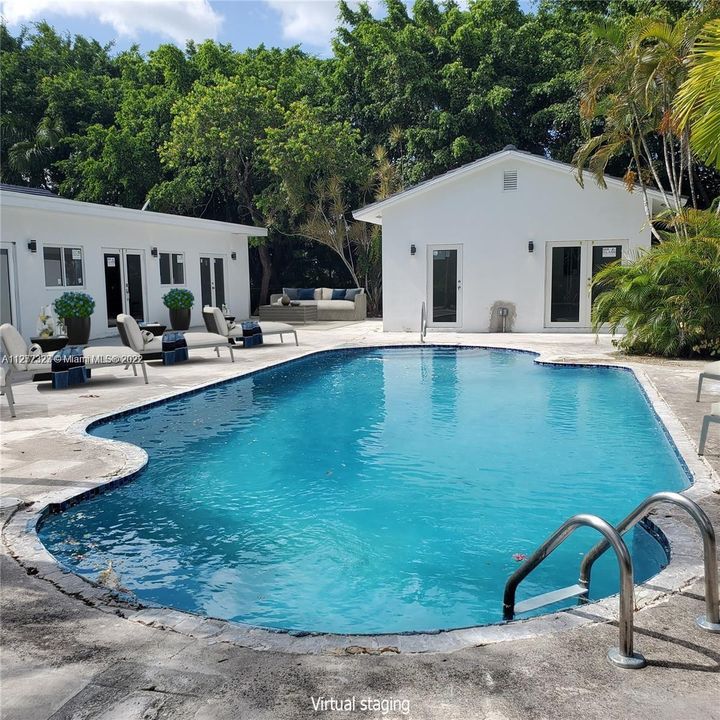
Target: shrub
[[178, 299], [668, 298], [74, 305]]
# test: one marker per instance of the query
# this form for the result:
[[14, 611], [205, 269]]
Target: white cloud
[[179, 20], [310, 21]]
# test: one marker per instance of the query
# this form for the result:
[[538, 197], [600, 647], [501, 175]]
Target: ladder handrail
[[625, 652], [712, 606], [423, 322]]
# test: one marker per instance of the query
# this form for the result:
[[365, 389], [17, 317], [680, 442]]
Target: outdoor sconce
[[413, 249], [153, 251], [32, 246], [233, 255], [531, 246]]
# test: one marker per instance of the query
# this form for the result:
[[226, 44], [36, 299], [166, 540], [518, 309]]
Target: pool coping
[[684, 567]]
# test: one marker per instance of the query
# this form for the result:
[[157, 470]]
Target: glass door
[[565, 281], [212, 280], [570, 268], [7, 285], [445, 286], [124, 284]]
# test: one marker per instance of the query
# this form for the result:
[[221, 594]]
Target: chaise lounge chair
[[712, 372], [30, 358], [145, 343], [215, 322], [712, 417]]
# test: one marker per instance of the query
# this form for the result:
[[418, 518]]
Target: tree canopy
[[285, 139]]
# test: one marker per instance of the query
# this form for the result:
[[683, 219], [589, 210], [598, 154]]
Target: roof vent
[[509, 180], [509, 147]]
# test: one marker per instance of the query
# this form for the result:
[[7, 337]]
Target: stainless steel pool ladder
[[623, 655], [711, 619], [423, 322]]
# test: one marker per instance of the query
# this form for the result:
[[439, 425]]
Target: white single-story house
[[125, 259], [511, 240]]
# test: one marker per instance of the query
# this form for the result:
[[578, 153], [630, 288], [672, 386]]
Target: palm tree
[[29, 157], [697, 104], [667, 299]]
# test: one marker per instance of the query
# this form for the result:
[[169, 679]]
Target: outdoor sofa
[[339, 304]]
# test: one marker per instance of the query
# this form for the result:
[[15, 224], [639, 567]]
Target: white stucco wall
[[94, 234], [494, 228]]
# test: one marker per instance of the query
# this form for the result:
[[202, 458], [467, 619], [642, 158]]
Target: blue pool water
[[379, 490]]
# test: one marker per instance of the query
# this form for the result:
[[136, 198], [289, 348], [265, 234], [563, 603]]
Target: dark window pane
[[113, 287], [565, 292], [73, 266], [219, 282], [165, 269], [53, 266], [178, 269], [444, 275], [134, 286], [205, 281], [603, 255]]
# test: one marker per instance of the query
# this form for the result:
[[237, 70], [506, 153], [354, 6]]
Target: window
[[172, 269], [63, 266]]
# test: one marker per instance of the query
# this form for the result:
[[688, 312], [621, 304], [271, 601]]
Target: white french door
[[444, 286], [212, 280], [569, 270], [8, 285], [124, 283]]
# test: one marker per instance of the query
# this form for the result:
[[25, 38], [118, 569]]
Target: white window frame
[[172, 276], [63, 273]]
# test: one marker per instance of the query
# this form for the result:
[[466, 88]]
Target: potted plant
[[75, 309], [179, 302]]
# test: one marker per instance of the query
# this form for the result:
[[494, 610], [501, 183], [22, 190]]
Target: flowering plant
[[74, 305], [178, 299]]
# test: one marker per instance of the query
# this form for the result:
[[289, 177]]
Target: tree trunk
[[266, 264]]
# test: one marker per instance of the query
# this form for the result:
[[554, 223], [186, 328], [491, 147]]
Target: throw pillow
[[338, 294], [306, 294], [353, 293], [292, 293]]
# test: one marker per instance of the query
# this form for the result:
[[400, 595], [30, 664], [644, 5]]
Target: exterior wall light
[[153, 251], [32, 246], [413, 249], [531, 246], [233, 255]]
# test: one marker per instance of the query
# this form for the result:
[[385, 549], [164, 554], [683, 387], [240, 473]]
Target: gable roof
[[373, 213], [19, 197]]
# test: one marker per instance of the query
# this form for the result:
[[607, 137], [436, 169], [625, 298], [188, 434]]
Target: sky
[[242, 23]]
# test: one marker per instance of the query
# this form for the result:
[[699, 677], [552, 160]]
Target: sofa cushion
[[292, 293], [336, 305], [325, 294], [306, 294], [338, 294], [306, 302], [353, 293]]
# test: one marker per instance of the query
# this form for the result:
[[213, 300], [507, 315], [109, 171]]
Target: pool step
[[549, 598]]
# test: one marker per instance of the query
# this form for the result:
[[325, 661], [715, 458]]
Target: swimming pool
[[370, 491]]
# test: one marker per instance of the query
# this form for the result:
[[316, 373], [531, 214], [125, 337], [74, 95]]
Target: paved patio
[[63, 658]]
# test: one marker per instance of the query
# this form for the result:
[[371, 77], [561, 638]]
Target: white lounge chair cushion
[[276, 328], [192, 339], [712, 368], [99, 356], [715, 409]]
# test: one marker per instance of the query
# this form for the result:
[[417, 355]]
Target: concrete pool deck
[[65, 658]]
